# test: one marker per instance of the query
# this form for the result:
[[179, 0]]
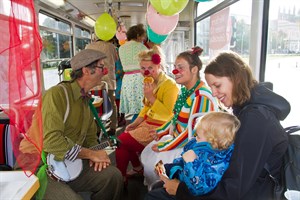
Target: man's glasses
[[100, 66]]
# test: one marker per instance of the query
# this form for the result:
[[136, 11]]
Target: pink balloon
[[121, 33], [161, 24]]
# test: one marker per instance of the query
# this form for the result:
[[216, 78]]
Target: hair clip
[[156, 59], [195, 50]]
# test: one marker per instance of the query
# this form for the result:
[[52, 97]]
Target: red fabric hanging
[[20, 78]]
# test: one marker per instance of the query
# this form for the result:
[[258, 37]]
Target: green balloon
[[169, 7], [105, 27], [154, 37]]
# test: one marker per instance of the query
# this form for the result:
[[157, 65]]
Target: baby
[[206, 157]]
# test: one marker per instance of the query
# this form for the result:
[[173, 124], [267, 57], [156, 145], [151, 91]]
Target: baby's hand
[[189, 156]]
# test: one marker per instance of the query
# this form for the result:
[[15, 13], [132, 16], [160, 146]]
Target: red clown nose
[[146, 72], [175, 71], [105, 71]]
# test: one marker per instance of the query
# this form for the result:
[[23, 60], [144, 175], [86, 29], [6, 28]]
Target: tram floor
[[136, 189]]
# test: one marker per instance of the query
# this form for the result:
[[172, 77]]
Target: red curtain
[[20, 78]]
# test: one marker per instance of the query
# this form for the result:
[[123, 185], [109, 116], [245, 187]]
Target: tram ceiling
[[131, 12]]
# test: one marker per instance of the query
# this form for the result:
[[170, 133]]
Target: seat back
[[107, 105], [64, 70], [191, 123], [6, 155]]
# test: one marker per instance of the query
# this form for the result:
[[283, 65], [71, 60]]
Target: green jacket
[[79, 128]]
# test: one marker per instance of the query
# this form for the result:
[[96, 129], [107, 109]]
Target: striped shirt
[[199, 101]]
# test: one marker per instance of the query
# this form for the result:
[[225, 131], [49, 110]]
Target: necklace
[[181, 101]]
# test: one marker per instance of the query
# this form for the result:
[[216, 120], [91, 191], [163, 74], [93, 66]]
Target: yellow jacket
[[166, 94]]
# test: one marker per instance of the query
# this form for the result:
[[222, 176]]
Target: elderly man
[[68, 137]]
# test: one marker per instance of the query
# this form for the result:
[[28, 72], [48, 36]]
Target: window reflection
[[228, 29], [82, 38], [283, 57]]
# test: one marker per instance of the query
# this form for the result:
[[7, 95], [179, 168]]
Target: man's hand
[[99, 160], [98, 166], [171, 185]]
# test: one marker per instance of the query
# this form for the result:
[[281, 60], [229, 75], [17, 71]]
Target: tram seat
[[7, 159], [64, 70], [105, 110]]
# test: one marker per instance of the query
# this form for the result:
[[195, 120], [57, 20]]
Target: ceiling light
[[88, 21], [123, 4], [55, 3]]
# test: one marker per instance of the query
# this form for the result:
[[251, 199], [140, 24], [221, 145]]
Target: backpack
[[291, 170]]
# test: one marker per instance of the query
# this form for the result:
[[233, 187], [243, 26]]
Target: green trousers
[[105, 185]]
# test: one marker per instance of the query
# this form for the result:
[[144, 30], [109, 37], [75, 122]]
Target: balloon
[[154, 37], [121, 33], [121, 42], [105, 27], [161, 24], [169, 7]]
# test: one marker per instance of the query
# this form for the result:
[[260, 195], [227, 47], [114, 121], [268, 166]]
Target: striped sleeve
[[202, 102], [164, 129], [73, 153]]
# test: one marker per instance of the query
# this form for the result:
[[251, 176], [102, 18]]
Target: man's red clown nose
[[105, 71]]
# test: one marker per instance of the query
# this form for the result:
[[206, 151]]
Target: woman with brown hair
[[260, 141]]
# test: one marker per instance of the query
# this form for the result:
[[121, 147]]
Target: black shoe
[[111, 132], [122, 122]]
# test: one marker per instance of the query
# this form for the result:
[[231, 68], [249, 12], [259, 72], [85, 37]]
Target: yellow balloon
[[169, 7], [105, 27]]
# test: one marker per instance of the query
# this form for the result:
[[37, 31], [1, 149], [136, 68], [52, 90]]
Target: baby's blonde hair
[[219, 128]]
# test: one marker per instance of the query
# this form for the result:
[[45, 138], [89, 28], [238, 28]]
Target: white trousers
[[149, 158]]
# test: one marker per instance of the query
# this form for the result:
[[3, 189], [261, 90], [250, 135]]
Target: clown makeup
[[149, 69], [182, 72]]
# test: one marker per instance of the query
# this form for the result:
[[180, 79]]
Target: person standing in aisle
[[131, 101]]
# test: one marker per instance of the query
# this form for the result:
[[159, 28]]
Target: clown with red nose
[[160, 92]]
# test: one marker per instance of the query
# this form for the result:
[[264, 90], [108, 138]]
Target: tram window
[[206, 5], [57, 45], [82, 38], [53, 23], [283, 53], [224, 30]]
